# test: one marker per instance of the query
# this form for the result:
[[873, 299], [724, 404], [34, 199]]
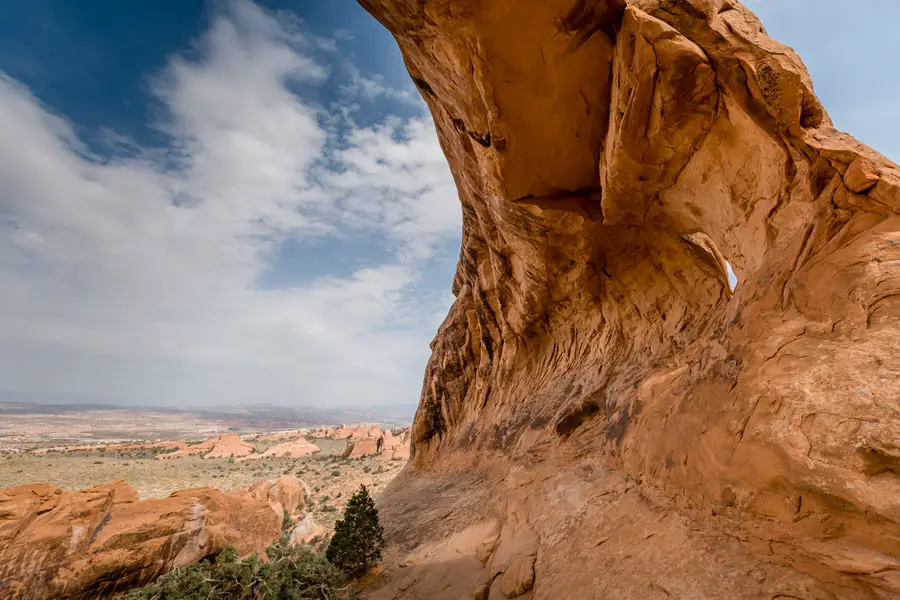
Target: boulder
[[363, 447], [285, 494], [306, 530], [104, 540]]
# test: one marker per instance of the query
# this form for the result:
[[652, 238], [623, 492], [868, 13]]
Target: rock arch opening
[[631, 151]]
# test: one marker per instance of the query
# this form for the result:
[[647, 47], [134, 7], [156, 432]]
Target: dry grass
[[154, 478]]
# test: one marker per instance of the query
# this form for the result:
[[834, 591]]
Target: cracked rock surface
[[602, 416]]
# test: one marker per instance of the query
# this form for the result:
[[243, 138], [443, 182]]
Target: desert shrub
[[291, 573], [358, 537], [335, 473]]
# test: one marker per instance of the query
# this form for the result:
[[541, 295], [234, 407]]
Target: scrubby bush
[[358, 537], [291, 573], [287, 524]]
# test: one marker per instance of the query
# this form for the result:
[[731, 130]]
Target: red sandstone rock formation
[[344, 432], [230, 445], [223, 446], [363, 447], [93, 543], [282, 435], [285, 494], [601, 411], [384, 444], [294, 449], [396, 447]]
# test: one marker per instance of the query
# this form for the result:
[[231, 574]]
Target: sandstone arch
[[610, 157]]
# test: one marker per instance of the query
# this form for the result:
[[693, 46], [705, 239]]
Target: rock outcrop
[[306, 530], [600, 408], [286, 494], [345, 432], [386, 445], [396, 447], [228, 446], [94, 543], [294, 449], [224, 446], [281, 436], [363, 447]]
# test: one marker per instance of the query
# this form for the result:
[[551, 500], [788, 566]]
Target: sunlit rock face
[[100, 542], [597, 380]]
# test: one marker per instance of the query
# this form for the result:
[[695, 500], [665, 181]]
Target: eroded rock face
[[284, 494], [94, 543], [293, 449], [385, 444], [610, 158]]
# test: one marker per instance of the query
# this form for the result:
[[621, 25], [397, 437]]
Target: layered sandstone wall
[[610, 158]]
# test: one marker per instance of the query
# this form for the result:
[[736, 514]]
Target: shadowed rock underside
[[601, 415]]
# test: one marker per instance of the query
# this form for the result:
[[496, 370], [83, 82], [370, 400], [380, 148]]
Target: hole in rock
[[732, 278]]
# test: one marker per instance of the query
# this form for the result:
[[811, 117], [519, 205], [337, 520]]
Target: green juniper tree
[[358, 538]]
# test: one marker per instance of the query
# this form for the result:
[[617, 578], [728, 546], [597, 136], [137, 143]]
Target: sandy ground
[[330, 478]]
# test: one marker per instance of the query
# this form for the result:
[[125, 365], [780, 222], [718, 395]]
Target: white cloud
[[136, 277], [374, 87]]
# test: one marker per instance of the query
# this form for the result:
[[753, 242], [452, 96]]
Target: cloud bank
[[138, 275]]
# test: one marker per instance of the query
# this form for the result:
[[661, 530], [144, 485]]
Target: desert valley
[[670, 364], [145, 493]]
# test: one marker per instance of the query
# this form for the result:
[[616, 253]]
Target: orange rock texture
[[601, 411], [294, 449], [384, 444], [94, 543]]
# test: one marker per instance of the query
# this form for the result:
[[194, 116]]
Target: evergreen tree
[[358, 538]]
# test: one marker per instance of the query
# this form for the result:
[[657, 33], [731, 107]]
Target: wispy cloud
[[135, 276]]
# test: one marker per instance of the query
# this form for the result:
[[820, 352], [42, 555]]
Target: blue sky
[[233, 202]]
